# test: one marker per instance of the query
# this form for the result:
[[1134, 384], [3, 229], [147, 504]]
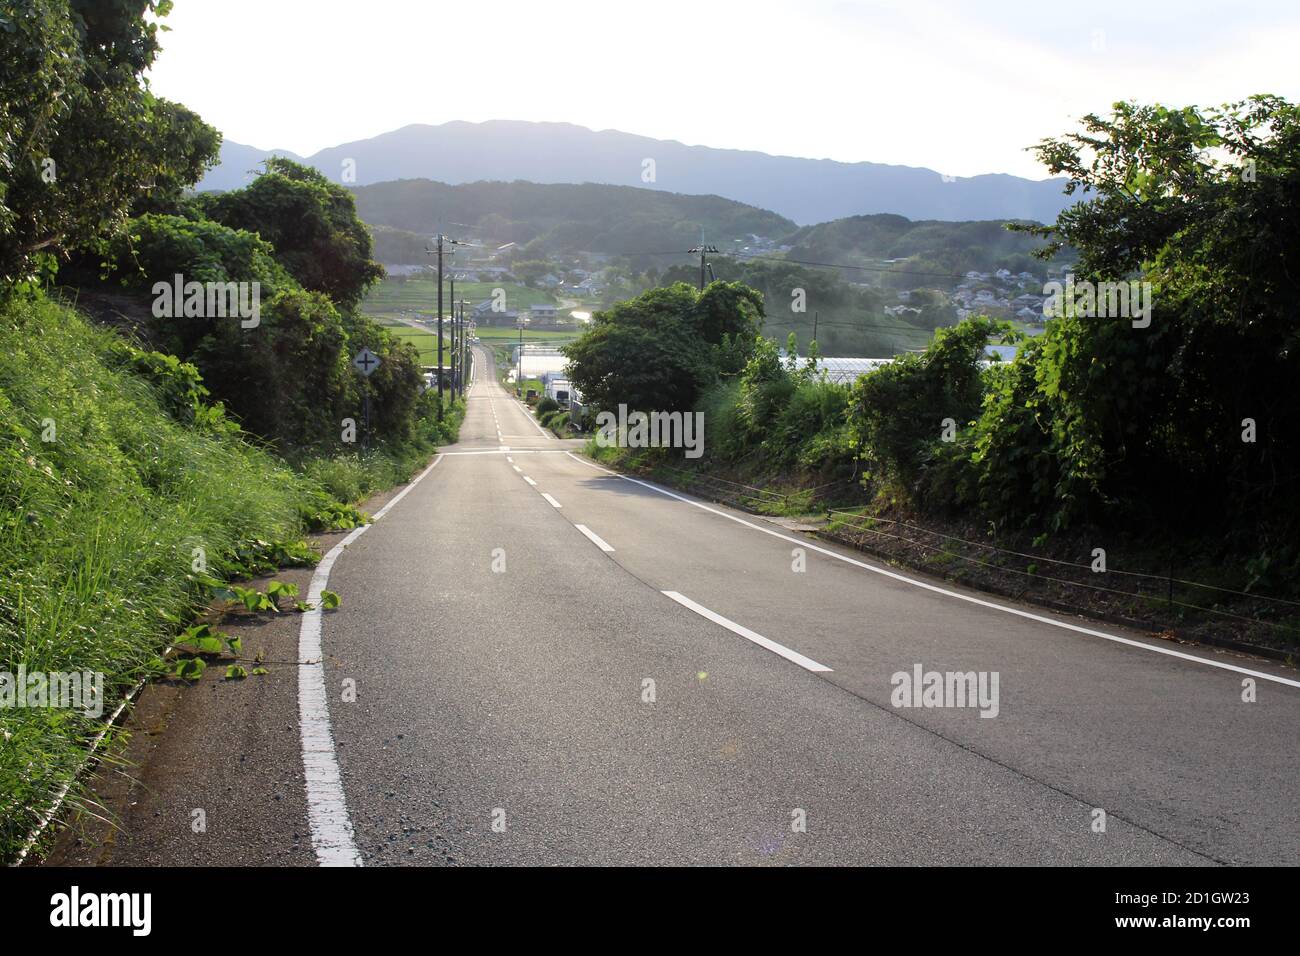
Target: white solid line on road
[[807, 663], [530, 481], [554, 503], [405, 491], [332, 835], [596, 539], [583, 461], [1064, 625], [535, 422]]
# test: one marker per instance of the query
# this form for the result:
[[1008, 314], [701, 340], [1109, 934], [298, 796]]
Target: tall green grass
[[98, 530], [356, 476]]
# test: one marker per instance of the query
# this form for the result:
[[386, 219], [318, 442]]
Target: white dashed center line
[[596, 539]]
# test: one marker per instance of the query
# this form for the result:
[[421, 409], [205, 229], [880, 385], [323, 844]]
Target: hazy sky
[[960, 87]]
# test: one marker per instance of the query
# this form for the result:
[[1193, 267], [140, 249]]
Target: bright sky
[[934, 83]]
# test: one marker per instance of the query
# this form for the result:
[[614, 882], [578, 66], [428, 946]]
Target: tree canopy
[[311, 222], [1202, 204], [662, 349], [81, 137]]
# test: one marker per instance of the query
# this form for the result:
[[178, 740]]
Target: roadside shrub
[[765, 388], [1017, 473], [725, 437], [898, 410], [815, 414]]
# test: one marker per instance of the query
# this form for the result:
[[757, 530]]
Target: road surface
[[540, 662], [502, 626]]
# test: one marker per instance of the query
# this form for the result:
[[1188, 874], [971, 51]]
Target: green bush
[[556, 420], [812, 430], [288, 379], [898, 411], [547, 405], [765, 387]]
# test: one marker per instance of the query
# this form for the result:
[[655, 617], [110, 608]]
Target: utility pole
[[453, 334], [441, 380], [816, 315], [704, 251], [519, 374], [464, 345]]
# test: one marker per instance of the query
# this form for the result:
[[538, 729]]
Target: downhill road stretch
[[556, 664]]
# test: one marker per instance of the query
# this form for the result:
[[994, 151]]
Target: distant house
[[484, 314], [544, 313]]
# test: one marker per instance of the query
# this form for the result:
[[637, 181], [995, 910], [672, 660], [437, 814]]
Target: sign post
[[365, 362]]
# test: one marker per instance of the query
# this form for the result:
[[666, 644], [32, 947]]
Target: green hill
[[549, 219], [895, 243]]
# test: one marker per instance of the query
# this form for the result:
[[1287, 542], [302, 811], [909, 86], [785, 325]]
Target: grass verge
[[116, 502]]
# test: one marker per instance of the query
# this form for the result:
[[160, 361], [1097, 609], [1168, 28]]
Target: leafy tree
[[311, 222], [157, 247], [642, 353], [662, 349], [81, 138], [1202, 204], [727, 311]]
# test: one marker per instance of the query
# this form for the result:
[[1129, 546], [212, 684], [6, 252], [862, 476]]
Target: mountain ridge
[[806, 191]]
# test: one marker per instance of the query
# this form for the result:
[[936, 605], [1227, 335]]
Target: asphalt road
[[501, 656]]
